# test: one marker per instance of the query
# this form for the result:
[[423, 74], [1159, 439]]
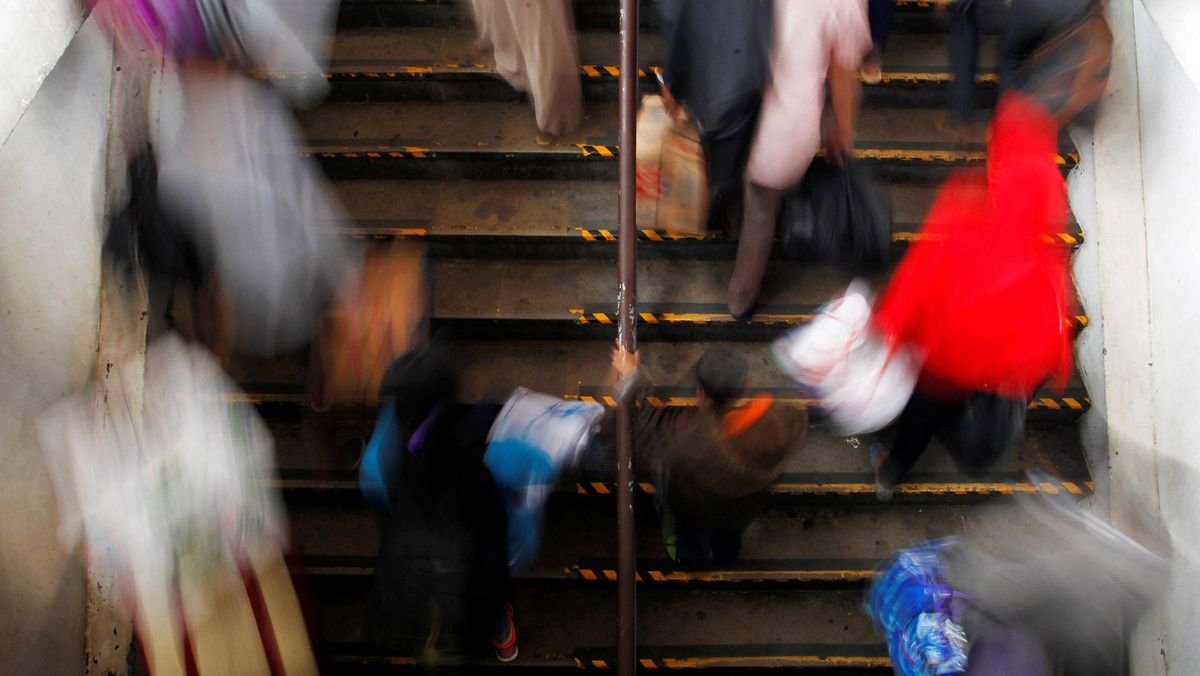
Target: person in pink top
[[814, 42]]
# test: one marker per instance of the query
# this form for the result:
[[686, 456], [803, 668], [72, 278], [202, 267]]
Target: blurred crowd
[[233, 234]]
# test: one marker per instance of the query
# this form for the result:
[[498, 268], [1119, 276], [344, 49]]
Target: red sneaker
[[505, 640]]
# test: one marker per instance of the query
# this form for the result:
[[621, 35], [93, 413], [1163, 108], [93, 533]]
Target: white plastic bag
[[861, 382], [532, 440]]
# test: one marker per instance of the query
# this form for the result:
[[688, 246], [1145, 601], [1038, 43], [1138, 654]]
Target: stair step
[[443, 64], [791, 545], [496, 140], [677, 627], [490, 369], [557, 219]]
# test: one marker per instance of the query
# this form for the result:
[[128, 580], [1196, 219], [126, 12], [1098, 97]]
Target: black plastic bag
[[839, 215], [987, 427]]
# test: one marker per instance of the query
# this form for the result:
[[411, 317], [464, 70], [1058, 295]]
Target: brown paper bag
[[683, 201]]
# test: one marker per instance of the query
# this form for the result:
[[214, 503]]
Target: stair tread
[[576, 210], [576, 621], [791, 543], [509, 127], [450, 49]]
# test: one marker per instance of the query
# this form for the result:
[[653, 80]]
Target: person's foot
[[872, 69], [883, 491], [741, 305], [544, 139], [505, 640]]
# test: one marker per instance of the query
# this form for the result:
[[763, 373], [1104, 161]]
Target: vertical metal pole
[[627, 339]]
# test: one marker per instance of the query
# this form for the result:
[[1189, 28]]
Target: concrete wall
[[1137, 198], [52, 178], [34, 35]]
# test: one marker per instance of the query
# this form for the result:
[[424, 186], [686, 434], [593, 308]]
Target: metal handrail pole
[[627, 339]]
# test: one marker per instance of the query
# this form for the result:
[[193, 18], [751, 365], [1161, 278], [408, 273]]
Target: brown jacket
[[716, 466]]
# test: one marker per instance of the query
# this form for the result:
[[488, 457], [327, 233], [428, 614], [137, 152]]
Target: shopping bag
[[911, 604], [532, 440], [860, 380], [672, 183], [838, 214], [653, 123]]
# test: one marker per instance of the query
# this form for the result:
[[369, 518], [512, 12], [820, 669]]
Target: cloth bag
[[839, 215], [861, 382], [532, 440]]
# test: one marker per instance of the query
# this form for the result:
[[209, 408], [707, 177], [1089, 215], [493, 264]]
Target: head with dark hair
[[419, 380], [723, 376]]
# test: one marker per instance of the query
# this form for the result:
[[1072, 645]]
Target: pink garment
[[808, 35], [533, 42]]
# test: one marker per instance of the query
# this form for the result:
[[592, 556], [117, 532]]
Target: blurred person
[[442, 589], [1052, 591], [982, 297], [815, 42], [533, 44], [1073, 31], [233, 179], [714, 461], [716, 64], [880, 14]]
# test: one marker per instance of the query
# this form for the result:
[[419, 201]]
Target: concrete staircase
[[424, 141]]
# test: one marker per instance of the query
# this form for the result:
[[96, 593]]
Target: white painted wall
[[52, 178], [33, 35], [1138, 199]]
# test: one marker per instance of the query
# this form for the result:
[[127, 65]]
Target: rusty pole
[[627, 339]]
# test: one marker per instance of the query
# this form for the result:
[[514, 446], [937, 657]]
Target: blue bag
[[910, 604]]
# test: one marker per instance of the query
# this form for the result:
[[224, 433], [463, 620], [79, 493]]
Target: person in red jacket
[[983, 295]]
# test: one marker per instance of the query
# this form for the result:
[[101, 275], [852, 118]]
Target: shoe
[[879, 454], [505, 640]]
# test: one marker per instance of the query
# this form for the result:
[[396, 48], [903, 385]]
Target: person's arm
[[844, 93]]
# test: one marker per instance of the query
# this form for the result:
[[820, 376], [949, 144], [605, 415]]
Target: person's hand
[[839, 144], [624, 363]]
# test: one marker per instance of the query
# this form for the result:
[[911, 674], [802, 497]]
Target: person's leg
[[917, 424], [761, 211], [545, 30], [692, 551], [880, 13], [725, 547], [964, 59]]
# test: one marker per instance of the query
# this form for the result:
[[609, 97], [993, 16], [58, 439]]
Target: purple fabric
[[183, 26], [417, 441]]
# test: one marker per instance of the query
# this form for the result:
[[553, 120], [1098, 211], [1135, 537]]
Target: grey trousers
[[761, 211]]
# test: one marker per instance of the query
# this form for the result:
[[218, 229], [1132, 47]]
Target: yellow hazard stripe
[[937, 488], [715, 576], [863, 488], [917, 77]]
